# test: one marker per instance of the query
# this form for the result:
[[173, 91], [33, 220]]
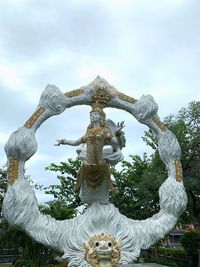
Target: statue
[[95, 172], [101, 236]]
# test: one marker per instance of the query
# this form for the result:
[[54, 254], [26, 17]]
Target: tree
[[191, 243], [186, 126], [138, 183], [64, 191]]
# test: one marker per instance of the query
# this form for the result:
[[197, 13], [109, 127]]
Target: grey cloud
[[15, 108], [40, 27]]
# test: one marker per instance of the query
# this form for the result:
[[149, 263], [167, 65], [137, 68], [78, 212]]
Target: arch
[[20, 206]]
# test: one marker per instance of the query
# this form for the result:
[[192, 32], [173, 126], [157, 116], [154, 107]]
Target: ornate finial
[[103, 91], [102, 250]]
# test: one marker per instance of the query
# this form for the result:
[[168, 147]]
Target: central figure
[[101, 146]]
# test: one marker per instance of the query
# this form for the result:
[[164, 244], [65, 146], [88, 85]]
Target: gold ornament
[[97, 107], [179, 171], [74, 93], [102, 251], [13, 170], [29, 123], [102, 95], [127, 98], [160, 125], [93, 175], [103, 91], [92, 133]]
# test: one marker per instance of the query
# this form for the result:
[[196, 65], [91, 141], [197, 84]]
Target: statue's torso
[[95, 140]]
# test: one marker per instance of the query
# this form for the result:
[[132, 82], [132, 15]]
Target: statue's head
[[97, 114], [102, 249]]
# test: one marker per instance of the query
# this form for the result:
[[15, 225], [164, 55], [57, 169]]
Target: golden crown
[[98, 107]]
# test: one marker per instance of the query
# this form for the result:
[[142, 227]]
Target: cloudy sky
[[139, 46]]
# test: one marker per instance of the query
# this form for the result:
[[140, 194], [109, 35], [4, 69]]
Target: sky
[[138, 46]]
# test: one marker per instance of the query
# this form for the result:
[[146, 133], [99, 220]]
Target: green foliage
[[64, 192], [191, 242], [58, 210], [33, 253], [138, 183], [172, 251]]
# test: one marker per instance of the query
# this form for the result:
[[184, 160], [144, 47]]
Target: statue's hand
[[120, 126], [60, 142]]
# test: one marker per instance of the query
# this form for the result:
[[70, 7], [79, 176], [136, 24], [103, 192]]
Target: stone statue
[[101, 236], [94, 174]]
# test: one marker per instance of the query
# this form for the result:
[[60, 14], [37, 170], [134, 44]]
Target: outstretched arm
[[69, 142]]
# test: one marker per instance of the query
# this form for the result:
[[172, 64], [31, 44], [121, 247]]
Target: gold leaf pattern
[[29, 123]]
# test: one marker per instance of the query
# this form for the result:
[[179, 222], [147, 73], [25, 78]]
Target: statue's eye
[[97, 244], [109, 244]]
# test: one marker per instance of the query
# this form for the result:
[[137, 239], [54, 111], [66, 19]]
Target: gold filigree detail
[[74, 93], [102, 247], [127, 98], [92, 133], [13, 170], [160, 125], [98, 107], [29, 123], [102, 95], [103, 91], [88, 172], [179, 170]]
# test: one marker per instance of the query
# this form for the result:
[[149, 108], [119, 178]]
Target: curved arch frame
[[22, 145]]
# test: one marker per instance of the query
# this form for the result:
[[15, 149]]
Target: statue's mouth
[[104, 254]]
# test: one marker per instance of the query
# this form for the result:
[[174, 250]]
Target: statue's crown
[[98, 107]]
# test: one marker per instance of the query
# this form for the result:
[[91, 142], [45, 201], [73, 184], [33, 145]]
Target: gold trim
[[179, 171], [74, 93], [127, 98], [160, 125], [13, 170], [102, 95], [29, 123]]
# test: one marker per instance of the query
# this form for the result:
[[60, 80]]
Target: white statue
[[94, 175], [101, 219]]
